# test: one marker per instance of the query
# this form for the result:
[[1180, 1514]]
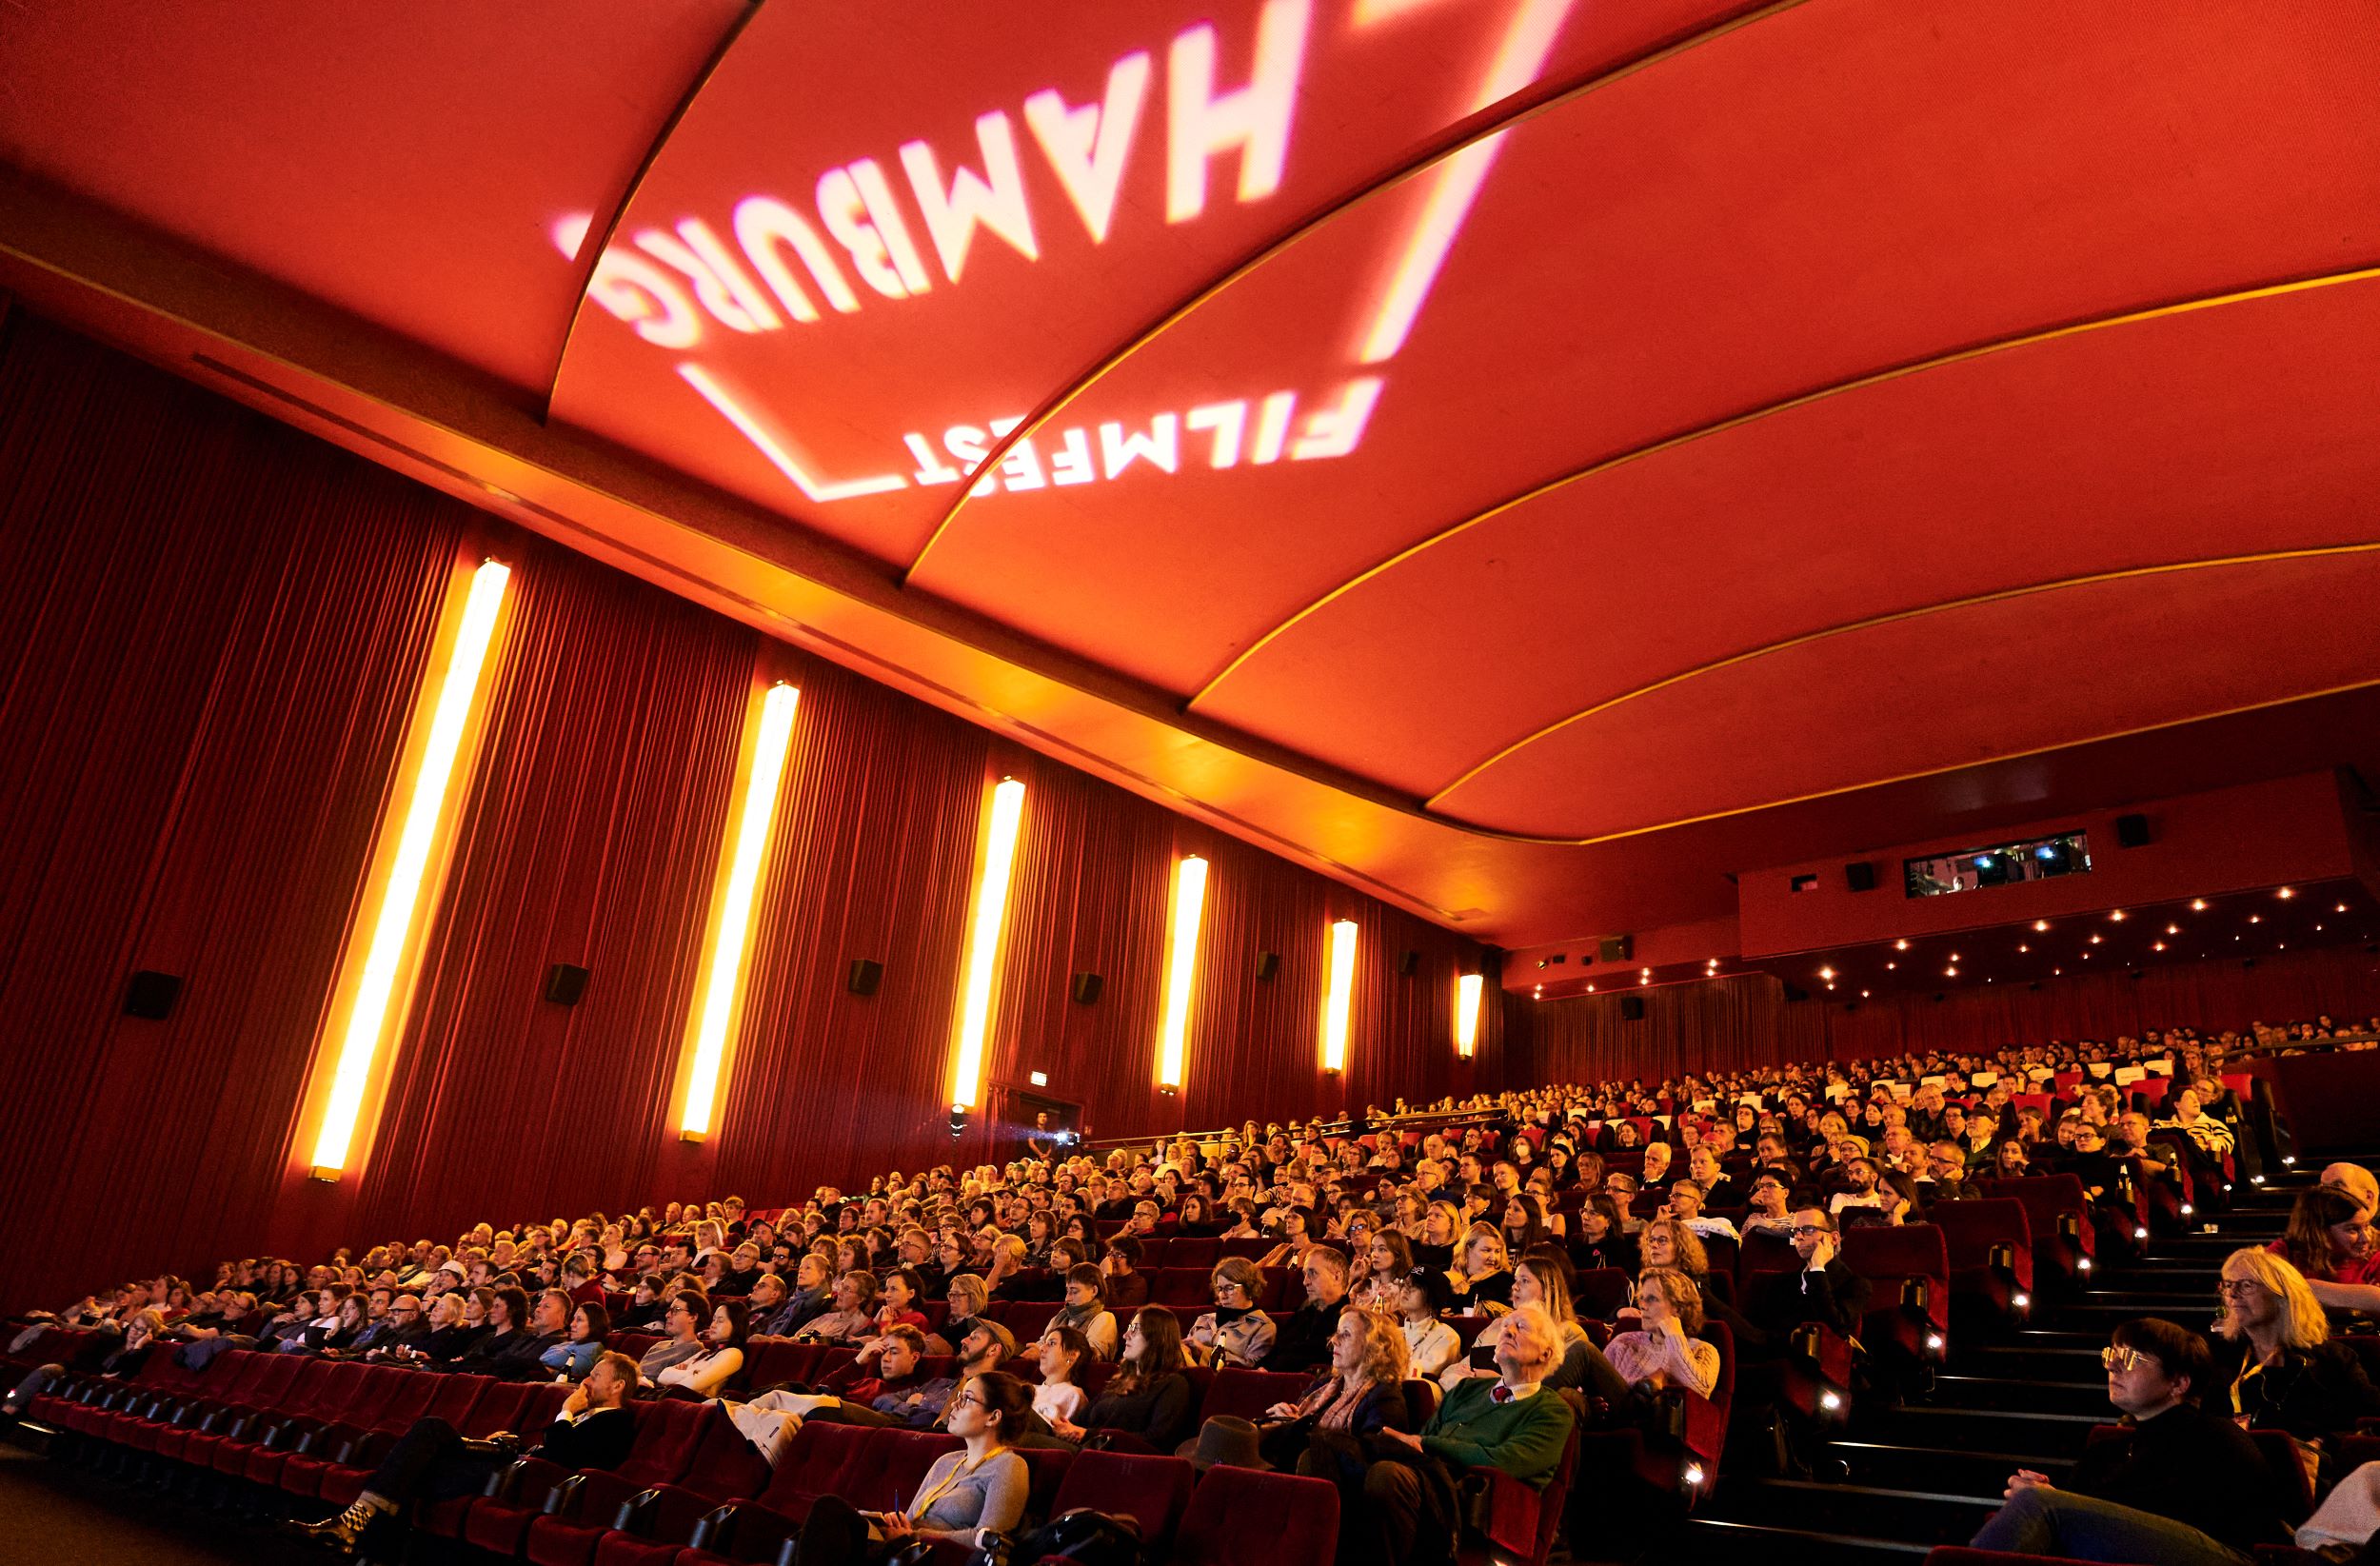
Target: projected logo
[[877, 233]]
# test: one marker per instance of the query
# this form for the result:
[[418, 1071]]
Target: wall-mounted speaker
[[1267, 966], [1407, 962], [1859, 875], [2132, 831], [1087, 987], [1794, 992], [867, 974], [1616, 948], [565, 983], [152, 995], [1631, 1008]]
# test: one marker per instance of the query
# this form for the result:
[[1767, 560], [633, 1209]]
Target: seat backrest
[[272, 1384], [408, 1401], [666, 1434], [300, 1395], [378, 1384], [1046, 1467], [2296, 1485], [1467, 1328], [1599, 1291], [1246, 1394], [1187, 1252], [234, 1375], [884, 1474], [1251, 1249], [540, 1404], [1765, 1251], [1242, 1517], [1153, 1492], [1970, 1228], [1026, 1319], [452, 1397], [724, 1466], [812, 1462], [1912, 1250], [1181, 1289], [497, 1407]]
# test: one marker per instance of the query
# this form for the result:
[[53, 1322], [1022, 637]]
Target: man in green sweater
[[1511, 1423]]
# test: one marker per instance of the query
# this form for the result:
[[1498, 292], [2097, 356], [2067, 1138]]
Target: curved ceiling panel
[[388, 162], [2217, 432], [1950, 689], [867, 250], [1816, 195]]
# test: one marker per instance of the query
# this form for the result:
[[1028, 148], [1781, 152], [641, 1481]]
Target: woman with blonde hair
[[1442, 1231], [1542, 1279], [2276, 1364], [1325, 1433], [1482, 1273], [1235, 1333], [1007, 1261]]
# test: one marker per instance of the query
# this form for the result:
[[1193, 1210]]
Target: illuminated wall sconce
[[1338, 1000], [421, 812], [1467, 990], [1182, 967], [985, 926], [731, 928]]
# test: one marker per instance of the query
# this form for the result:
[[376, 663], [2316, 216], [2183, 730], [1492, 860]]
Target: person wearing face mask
[[2184, 1487], [2274, 1353]]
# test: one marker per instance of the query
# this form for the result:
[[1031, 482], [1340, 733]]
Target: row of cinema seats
[[280, 1432]]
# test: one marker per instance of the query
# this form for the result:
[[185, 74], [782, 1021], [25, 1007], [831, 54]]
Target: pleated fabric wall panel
[[588, 834], [212, 631]]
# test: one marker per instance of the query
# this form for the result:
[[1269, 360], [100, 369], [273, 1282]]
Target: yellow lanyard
[[925, 1503]]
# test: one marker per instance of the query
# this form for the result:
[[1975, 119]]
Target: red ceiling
[[1528, 420]]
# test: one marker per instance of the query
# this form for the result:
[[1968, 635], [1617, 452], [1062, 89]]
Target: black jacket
[[2312, 1393], [1303, 1338], [2194, 1467], [1777, 1302], [598, 1440], [1159, 1412]]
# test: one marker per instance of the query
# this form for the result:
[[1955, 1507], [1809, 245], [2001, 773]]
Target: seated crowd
[[1428, 1272]]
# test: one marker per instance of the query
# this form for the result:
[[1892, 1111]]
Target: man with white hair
[[1511, 1423]]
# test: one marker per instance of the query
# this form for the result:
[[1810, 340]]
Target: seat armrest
[[712, 1531], [564, 1495], [520, 1476], [1505, 1512]]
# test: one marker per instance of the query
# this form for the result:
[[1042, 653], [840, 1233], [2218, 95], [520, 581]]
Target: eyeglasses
[[1804, 1231], [969, 1397], [2239, 1288], [2119, 1357]]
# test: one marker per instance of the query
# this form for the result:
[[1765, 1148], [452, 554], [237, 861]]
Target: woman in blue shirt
[[571, 1358]]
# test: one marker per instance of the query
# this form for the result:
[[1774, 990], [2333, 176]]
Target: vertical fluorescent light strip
[[733, 930], [984, 933], [401, 895], [1340, 997], [1467, 1014], [1181, 967]]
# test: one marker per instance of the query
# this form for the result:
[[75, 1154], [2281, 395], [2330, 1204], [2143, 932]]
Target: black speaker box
[[1087, 987], [2132, 831], [1407, 962], [152, 995], [565, 983], [1631, 1008], [867, 973], [1267, 966], [1794, 992], [1859, 875], [1616, 948]]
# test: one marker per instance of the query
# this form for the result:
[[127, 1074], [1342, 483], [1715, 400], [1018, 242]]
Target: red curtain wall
[[212, 633]]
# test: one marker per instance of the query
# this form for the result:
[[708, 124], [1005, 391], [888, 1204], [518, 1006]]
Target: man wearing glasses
[[2181, 1486], [405, 1326]]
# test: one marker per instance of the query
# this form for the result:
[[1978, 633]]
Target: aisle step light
[[1181, 967], [980, 972], [1338, 1000], [731, 929], [1467, 990], [425, 797]]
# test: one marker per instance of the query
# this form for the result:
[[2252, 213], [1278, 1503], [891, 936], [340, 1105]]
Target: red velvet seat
[[811, 1465], [1909, 1267], [409, 1396], [562, 1527], [195, 1443], [651, 1528], [1189, 1252], [349, 1466], [229, 1453], [2059, 1213], [227, 1379], [497, 1407], [1153, 1492], [1246, 1394], [1182, 1290], [349, 1385], [1989, 1240], [1242, 1517]]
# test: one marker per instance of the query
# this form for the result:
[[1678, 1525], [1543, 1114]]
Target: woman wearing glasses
[[2275, 1354], [1235, 1333], [979, 1489]]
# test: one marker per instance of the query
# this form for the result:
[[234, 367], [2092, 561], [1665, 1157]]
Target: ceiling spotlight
[[1826, 973], [2022, 947], [2095, 940], [1950, 972], [2256, 918], [1953, 957], [1863, 995], [2340, 909], [1890, 966], [2117, 915], [1590, 989], [2040, 926], [1644, 979], [2172, 929], [1902, 944], [2317, 929], [2287, 892], [2156, 946], [2054, 972], [2199, 905]]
